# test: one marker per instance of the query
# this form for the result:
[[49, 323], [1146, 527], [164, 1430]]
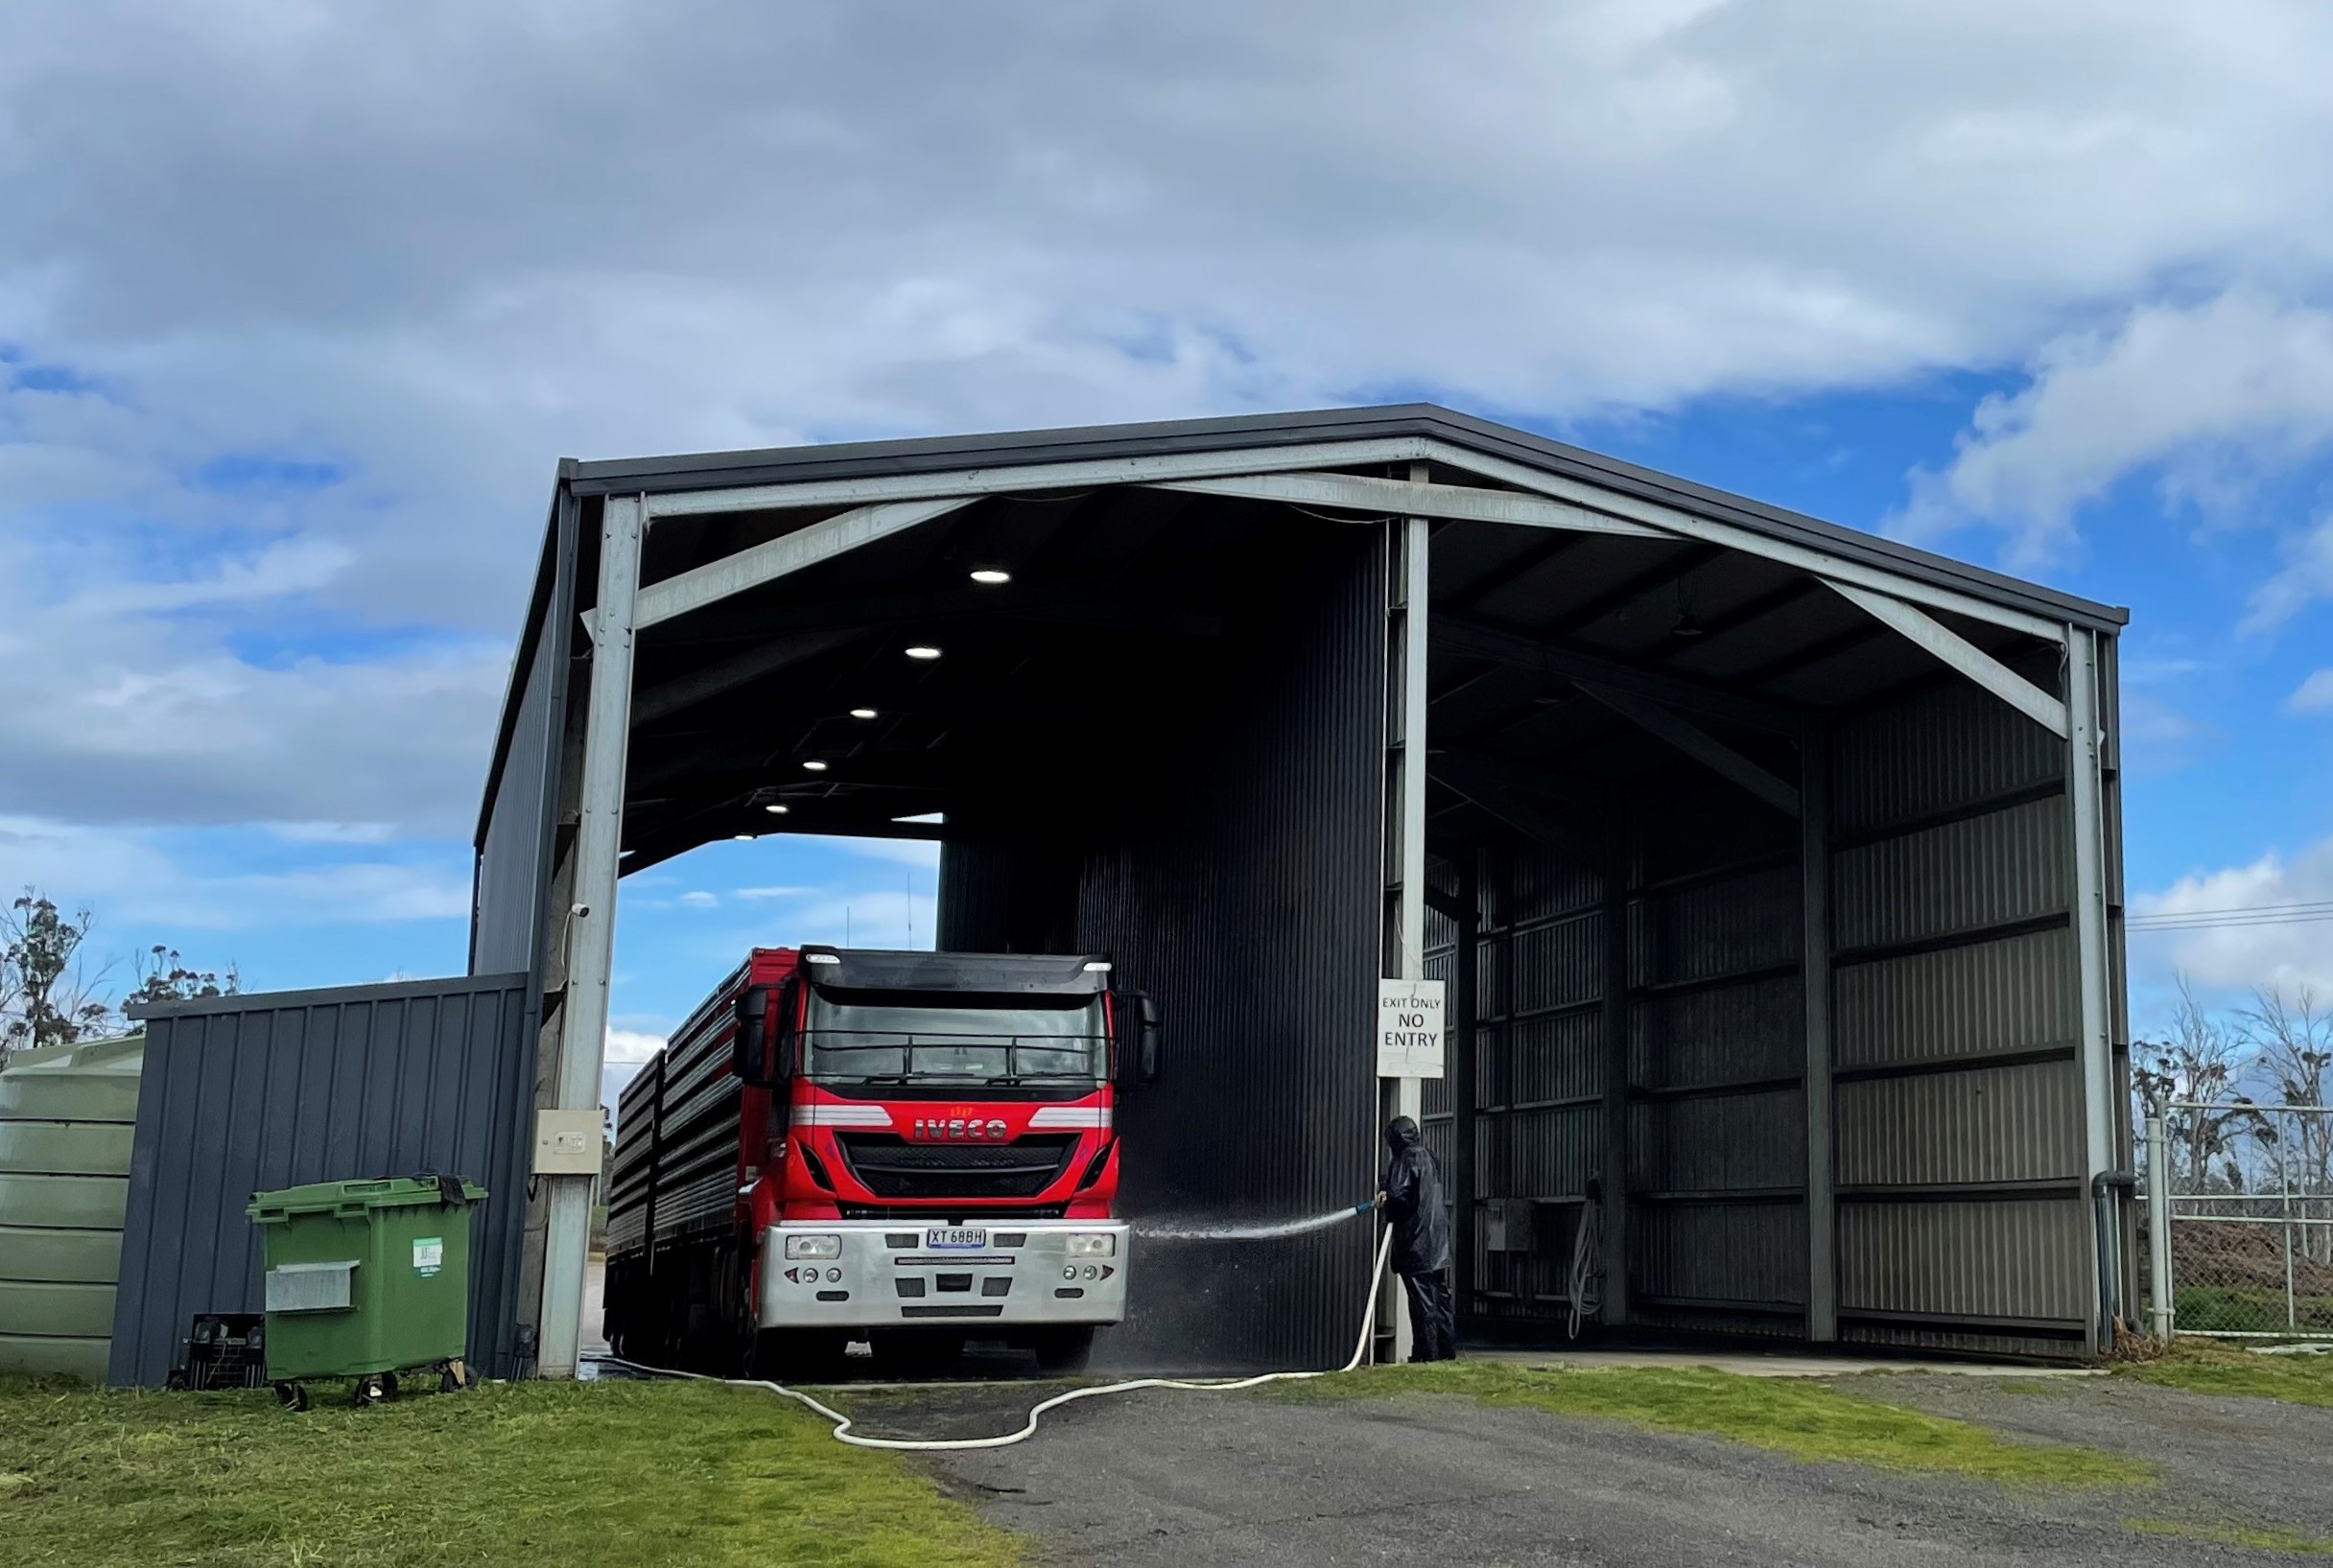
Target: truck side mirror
[[750, 1046], [1139, 1035]]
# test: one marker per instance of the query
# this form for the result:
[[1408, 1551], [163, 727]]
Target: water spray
[[1267, 1231]]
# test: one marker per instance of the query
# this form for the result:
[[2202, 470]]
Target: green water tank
[[66, 1117]]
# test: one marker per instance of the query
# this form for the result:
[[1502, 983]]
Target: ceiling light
[[744, 838], [922, 650], [814, 765], [990, 577], [776, 808], [863, 712]]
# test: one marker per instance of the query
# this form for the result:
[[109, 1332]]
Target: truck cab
[[927, 1151]]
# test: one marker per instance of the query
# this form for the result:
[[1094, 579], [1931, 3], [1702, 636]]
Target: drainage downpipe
[[2106, 1215]]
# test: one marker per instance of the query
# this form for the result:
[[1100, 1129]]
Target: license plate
[[955, 1238]]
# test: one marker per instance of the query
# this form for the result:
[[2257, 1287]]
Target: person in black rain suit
[[1412, 1198]]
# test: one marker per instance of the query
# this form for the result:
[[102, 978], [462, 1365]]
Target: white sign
[[1409, 1028]]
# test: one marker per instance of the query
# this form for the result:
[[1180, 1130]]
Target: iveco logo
[[958, 1129]]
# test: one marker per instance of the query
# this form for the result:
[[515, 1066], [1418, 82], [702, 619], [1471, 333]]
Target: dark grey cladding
[[241, 1094]]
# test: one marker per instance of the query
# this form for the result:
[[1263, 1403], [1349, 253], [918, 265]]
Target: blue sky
[[299, 305]]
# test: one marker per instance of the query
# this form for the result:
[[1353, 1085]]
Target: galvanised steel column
[[1814, 879], [2085, 821], [1407, 542], [592, 933], [2161, 1293]]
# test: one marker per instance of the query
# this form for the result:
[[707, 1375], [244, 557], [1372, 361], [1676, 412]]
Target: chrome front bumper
[[886, 1277]]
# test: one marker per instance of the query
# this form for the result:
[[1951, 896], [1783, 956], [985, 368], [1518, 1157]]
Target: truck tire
[[796, 1356], [916, 1353], [1063, 1352]]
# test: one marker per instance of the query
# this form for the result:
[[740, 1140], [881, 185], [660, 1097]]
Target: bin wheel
[[453, 1377], [369, 1390], [388, 1385], [176, 1382], [292, 1396]]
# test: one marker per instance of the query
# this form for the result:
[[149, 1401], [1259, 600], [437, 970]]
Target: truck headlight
[[1093, 1246], [813, 1247]]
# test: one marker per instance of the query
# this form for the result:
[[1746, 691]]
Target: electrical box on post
[[567, 1143]]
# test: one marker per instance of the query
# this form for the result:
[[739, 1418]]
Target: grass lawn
[[608, 1474], [2206, 1366], [1807, 1420]]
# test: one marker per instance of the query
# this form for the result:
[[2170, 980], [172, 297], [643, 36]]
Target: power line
[[2243, 915]]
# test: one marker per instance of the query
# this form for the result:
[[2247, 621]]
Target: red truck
[[911, 1148]]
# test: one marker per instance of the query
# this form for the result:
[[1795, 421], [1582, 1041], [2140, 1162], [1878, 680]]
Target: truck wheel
[[1063, 1352], [916, 1353], [796, 1356]]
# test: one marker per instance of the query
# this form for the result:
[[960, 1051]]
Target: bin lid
[[352, 1198]]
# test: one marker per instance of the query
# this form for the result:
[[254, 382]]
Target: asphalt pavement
[[1166, 1478]]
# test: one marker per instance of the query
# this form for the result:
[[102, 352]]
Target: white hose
[[1028, 1429]]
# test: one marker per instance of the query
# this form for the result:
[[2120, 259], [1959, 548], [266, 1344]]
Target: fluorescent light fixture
[[923, 816], [1098, 967], [863, 712], [830, 958], [776, 808], [814, 765], [922, 650], [990, 577], [744, 838]]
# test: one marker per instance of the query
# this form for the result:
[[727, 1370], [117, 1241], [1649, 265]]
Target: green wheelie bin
[[365, 1280]]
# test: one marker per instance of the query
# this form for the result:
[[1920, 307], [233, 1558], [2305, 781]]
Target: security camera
[[583, 911]]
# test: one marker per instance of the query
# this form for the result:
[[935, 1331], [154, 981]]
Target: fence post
[[2159, 1294]]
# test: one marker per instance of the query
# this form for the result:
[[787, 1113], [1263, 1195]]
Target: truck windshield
[[888, 1041]]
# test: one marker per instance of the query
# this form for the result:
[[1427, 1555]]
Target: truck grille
[[891, 1168]]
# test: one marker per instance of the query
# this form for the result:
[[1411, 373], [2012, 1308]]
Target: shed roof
[[860, 459]]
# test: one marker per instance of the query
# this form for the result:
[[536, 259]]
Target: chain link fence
[[2240, 1219]]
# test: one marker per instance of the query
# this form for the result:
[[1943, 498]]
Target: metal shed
[[1774, 867]]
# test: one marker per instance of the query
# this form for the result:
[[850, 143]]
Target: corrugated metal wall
[[518, 826], [1537, 1075], [1236, 882], [1959, 1152], [1717, 1043], [255, 1093]]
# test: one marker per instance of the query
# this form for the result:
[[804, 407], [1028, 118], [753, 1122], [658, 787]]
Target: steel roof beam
[[1700, 745], [782, 556], [1475, 641], [1669, 520], [1412, 498], [1007, 478], [1476, 786], [1959, 653]]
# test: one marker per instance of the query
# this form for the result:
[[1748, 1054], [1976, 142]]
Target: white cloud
[[2314, 696], [2242, 957], [426, 249], [2306, 577], [697, 900], [757, 893], [2209, 396], [137, 877], [632, 1046]]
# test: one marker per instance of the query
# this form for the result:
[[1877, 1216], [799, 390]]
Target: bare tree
[[48, 996], [2292, 1043], [2201, 1064]]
